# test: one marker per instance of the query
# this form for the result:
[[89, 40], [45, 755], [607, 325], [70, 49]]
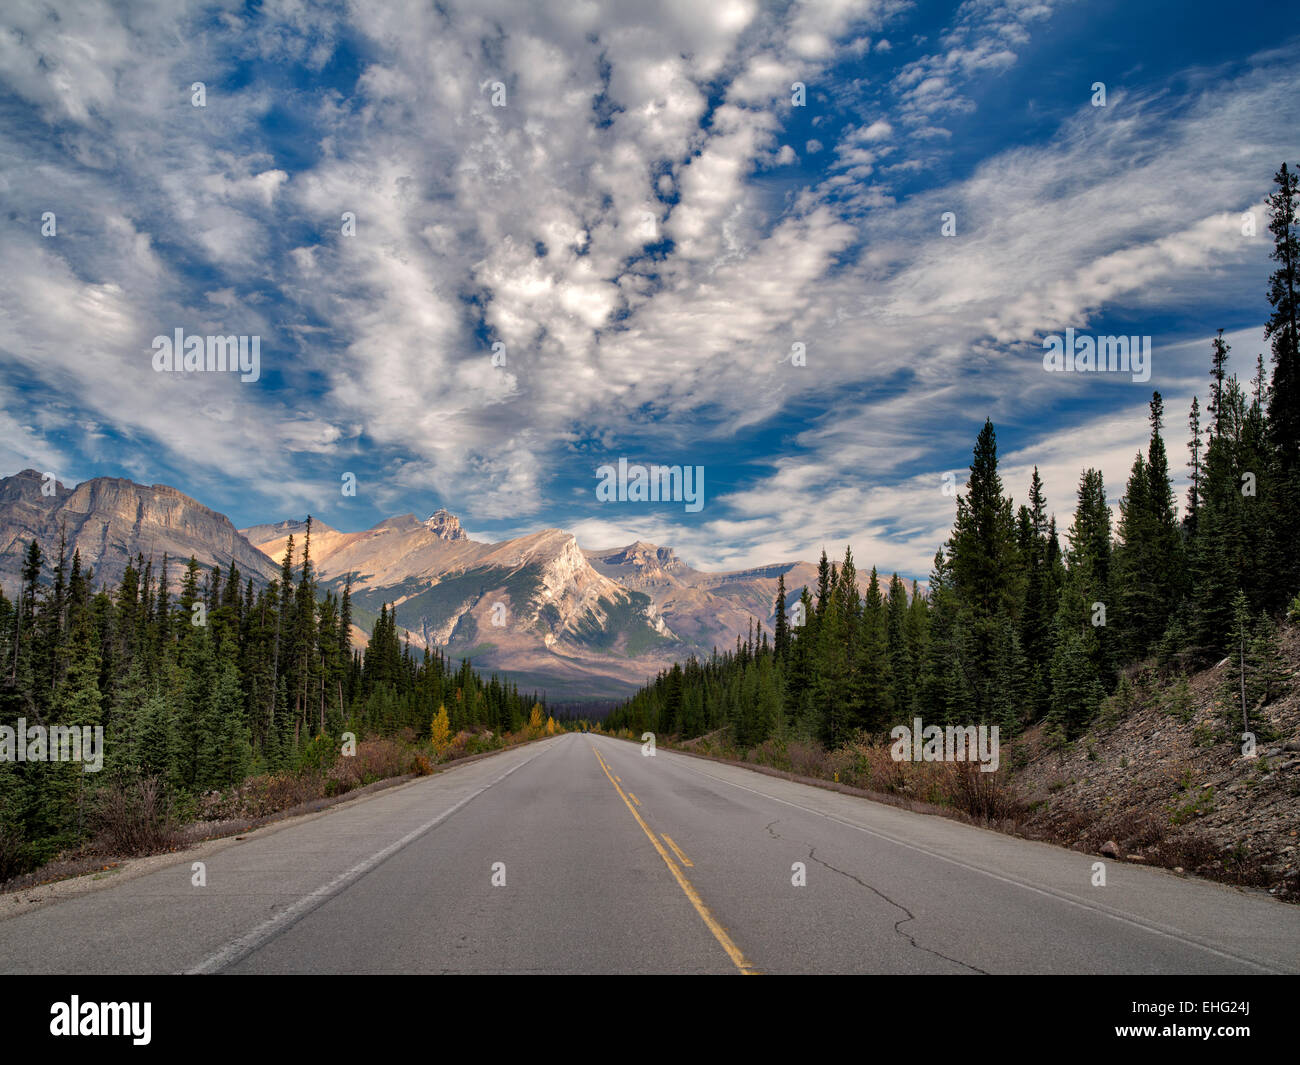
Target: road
[[607, 861]]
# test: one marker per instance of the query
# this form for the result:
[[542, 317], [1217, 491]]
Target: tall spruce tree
[[781, 629], [1148, 571], [1283, 325], [986, 577]]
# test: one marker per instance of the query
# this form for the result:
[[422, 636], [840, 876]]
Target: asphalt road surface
[[580, 855]]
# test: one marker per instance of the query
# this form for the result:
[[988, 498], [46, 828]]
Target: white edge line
[[1144, 925], [250, 941]]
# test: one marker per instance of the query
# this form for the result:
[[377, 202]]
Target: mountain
[[575, 622], [533, 605], [706, 610], [580, 624], [110, 520]]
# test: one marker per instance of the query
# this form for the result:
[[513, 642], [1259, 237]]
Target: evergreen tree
[[781, 632], [1283, 325], [1194, 489], [873, 701], [1148, 575], [899, 653], [986, 576]]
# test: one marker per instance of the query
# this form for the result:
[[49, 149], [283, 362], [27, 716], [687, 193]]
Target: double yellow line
[[711, 922]]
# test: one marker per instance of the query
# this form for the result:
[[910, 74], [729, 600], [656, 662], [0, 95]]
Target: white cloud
[[644, 285]]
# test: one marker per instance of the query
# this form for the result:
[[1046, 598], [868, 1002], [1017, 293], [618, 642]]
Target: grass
[[1197, 806]]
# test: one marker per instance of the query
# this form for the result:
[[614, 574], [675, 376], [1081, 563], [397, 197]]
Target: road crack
[[812, 857]]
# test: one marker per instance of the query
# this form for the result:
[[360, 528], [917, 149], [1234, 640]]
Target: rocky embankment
[[1164, 780]]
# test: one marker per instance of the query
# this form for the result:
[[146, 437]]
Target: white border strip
[[273, 926]]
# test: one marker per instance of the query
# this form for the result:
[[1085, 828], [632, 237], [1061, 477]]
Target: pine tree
[[227, 750], [1218, 374], [831, 662], [798, 689], [1239, 665], [1283, 325], [157, 740], [1148, 573], [1269, 679], [1076, 689], [917, 629], [986, 576], [1039, 608], [823, 585], [781, 631], [1235, 547], [1079, 661], [1194, 488], [77, 702], [1283, 331], [873, 701], [900, 659]]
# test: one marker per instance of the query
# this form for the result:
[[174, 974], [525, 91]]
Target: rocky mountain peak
[[445, 525], [111, 520], [27, 484], [646, 556]]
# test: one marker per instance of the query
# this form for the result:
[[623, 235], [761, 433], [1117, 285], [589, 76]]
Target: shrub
[[1196, 806], [317, 754], [14, 856], [135, 818], [772, 753], [1179, 700], [805, 758], [981, 795]]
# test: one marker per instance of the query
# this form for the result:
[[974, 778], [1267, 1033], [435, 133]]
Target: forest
[[1021, 623], [199, 690]]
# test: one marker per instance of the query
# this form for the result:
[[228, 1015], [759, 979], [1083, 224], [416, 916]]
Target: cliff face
[[642, 565], [445, 526], [705, 610], [539, 606], [533, 605], [110, 520]]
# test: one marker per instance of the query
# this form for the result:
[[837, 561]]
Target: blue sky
[[647, 225]]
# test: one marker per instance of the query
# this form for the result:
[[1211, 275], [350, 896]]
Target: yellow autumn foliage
[[440, 731]]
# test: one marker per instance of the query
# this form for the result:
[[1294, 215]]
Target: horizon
[[244, 529]]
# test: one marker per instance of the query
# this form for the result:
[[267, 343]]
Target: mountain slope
[[110, 520], [580, 624], [533, 605], [706, 610]]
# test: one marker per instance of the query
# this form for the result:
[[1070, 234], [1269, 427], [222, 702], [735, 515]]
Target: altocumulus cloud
[[645, 228]]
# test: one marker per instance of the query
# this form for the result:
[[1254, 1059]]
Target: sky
[[489, 248]]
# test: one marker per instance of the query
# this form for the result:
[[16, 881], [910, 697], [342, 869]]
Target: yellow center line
[[634, 798], [719, 933], [677, 850]]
